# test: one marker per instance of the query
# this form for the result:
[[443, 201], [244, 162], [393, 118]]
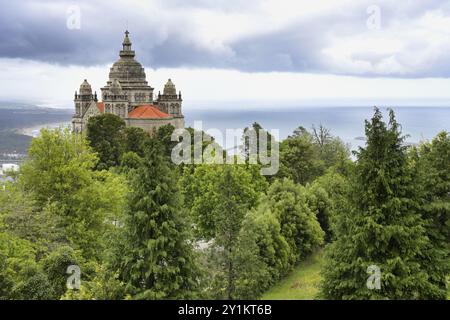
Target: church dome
[[169, 88], [85, 88], [127, 68]]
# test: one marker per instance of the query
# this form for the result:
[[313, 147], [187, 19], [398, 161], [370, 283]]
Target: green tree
[[328, 198], [134, 140], [21, 217], [320, 203], [105, 134], [35, 286], [253, 248], [130, 161], [55, 267], [257, 130], [383, 228], [104, 285], [155, 259], [299, 158], [433, 165], [299, 225], [252, 273], [219, 197], [202, 193], [58, 164], [229, 214], [268, 253], [164, 134], [304, 156], [60, 179], [16, 257], [332, 150]]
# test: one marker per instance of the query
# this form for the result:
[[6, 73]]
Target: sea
[[417, 123]]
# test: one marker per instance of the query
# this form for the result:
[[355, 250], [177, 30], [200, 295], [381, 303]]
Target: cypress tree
[[383, 230], [433, 164], [230, 213], [156, 257]]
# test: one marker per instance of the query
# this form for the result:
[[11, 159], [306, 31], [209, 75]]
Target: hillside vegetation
[[113, 204]]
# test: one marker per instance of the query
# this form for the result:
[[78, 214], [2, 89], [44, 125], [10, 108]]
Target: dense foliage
[[138, 226]]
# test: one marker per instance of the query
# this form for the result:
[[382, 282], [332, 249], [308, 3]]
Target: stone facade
[[128, 95]]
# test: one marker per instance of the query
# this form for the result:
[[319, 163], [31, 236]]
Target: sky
[[298, 52]]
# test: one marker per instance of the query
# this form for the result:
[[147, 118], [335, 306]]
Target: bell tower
[[83, 100], [170, 102]]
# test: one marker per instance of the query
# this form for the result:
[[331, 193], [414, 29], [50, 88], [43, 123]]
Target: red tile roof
[[147, 112], [101, 107]]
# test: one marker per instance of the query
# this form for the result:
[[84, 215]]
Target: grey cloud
[[297, 47], [28, 32], [294, 49], [219, 5]]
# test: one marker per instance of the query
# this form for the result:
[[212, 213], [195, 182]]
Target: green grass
[[302, 284]]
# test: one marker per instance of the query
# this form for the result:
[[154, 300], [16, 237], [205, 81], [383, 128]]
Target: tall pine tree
[[383, 231], [156, 257]]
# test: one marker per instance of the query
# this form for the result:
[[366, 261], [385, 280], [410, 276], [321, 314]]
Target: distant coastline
[[419, 123], [34, 130]]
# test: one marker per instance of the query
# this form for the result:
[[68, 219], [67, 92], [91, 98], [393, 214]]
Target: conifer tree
[[156, 257], [383, 231], [433, 164], [230, 213]]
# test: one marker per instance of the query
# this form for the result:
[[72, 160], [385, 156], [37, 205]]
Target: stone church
[[128, 95]]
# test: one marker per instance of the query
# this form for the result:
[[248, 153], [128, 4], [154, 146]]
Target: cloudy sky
[[331, 52]]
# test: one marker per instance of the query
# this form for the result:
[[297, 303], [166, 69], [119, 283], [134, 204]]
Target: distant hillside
[[13, 143], [16, 105], [21, 116], [17, 118]]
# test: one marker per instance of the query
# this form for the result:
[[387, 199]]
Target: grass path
[[301, 284]]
